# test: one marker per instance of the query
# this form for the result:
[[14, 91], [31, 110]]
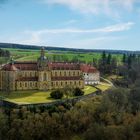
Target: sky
[[87, 24]]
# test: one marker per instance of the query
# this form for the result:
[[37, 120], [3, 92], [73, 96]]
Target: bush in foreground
[[57, 94], [78, 92]]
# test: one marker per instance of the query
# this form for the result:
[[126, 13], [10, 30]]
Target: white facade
[[91, 78]]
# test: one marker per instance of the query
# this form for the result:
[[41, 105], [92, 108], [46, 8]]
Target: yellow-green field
[[103, 86], [32, 55], [27, 97]]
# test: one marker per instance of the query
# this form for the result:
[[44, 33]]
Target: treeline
[[129, 70], [34, 47], [106, 64], [4, 53]]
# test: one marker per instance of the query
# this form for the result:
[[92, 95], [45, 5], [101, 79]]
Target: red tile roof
[[26, 65], [64, 66], [88, 69], [52, 66], [20, 66], [9, 67]]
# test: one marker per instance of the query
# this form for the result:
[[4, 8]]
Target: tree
[[124, 58], [68, 91], [78, 92], [104, 58], [129, 61], [57, 94], [109, 58]]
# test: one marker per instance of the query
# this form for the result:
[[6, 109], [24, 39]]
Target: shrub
[[78, 92], [57, 94]]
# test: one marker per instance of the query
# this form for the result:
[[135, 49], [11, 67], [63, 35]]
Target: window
[[55, 73], [45, 76], [25, 84], [36, 84]]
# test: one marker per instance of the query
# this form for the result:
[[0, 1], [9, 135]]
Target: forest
[[113, 115]]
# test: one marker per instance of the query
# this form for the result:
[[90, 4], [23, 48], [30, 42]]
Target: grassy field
[[103, 87], [32, 55], [26, 97]]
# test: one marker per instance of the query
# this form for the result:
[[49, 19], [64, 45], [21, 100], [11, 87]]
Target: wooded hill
[[34, 47]]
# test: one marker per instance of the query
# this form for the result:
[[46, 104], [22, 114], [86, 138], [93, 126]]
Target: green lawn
[[89, 89], [27, 97], [32, 55], [103, 87]]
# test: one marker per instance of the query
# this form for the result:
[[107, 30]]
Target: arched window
[[45, 76], [55, 73], [25, 84]]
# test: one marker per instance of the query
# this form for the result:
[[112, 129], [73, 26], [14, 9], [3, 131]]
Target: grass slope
[[27, 97]]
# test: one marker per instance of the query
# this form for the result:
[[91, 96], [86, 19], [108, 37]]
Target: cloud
[[113, 28], [78, 38], [109, 7]]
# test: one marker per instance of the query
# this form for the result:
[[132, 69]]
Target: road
[[108, 81]]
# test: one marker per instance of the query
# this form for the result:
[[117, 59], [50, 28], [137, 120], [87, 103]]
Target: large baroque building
[[46, 75]]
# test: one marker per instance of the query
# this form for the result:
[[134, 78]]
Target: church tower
[[44, 75], [42, 60]]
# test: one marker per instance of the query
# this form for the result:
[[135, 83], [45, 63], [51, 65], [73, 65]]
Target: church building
[[46, 75]]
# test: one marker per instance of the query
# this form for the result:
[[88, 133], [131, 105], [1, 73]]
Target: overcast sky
[[90, 24]]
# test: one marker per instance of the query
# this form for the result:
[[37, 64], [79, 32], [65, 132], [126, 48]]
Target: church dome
[[42, 56]]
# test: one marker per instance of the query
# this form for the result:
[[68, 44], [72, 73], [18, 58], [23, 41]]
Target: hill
[[34, 47]]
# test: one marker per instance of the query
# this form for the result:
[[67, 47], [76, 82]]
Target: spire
[[42, 52], [11, 61]]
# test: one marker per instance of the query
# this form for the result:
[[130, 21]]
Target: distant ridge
[[35, 47]]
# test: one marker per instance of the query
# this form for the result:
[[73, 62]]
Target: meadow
[[32, 55], [35, 96]]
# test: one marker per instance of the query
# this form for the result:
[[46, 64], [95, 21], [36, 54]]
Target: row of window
[[27, 84], [74, 73], [29, 74], [66, 83]]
